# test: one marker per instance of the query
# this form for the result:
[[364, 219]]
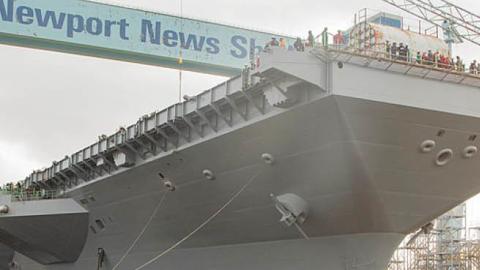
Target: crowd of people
[[11, 187], [402, 52], [19, 191], [299, 45], [396, 51]]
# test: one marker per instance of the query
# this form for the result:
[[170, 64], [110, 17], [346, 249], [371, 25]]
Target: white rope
[[154, 213], [201, 225]]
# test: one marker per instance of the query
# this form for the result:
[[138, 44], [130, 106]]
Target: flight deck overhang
[[47, 231], [270, 89]]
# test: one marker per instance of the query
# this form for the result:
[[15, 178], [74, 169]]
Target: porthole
[[208, 174], [268, 158], [443, 157], [470, 151], [427, 146]]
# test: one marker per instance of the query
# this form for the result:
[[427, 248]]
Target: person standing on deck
[[388, 48], [310, 39], [402, 52], [436, 59], [283, 43], [407, 54], [430, 57], [473, 68], [394, 50], [338, 39], [298, 45]]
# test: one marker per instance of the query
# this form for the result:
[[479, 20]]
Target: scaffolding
[[449, 245]]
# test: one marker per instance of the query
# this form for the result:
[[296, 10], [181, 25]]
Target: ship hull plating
[[357, 163], [347, 138]]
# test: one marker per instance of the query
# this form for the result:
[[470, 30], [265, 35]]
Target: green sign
[[114, 32]]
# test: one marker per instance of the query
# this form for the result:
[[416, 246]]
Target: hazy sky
[[53, 104]]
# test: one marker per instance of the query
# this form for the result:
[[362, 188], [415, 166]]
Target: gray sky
[[54, 104]]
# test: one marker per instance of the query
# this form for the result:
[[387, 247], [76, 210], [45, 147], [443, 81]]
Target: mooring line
[[201, 225], [154, 213]]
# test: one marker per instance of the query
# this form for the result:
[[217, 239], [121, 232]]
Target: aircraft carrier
[[323, 159]]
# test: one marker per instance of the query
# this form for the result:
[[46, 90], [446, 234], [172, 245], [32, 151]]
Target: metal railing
[[458, 68], [24, 195], [380, 52]]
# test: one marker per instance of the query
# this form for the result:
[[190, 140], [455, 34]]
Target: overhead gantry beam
[[128, 34]]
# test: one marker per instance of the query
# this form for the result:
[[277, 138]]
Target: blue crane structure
[[129, 34]]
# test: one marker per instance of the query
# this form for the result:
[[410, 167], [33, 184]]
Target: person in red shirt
[[446, 62], [441, 62], [338, 39], [425, 59]]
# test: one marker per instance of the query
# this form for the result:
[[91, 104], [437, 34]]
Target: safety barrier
[[408, 60], [23, 195]]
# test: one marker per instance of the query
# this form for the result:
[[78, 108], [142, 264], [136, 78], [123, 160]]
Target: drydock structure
[[323, 159]]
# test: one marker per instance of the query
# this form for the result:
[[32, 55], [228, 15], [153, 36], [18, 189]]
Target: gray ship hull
[[352, 152]]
